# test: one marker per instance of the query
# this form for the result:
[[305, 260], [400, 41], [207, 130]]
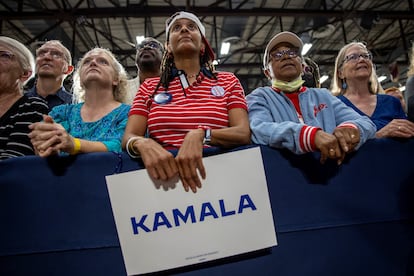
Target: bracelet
[[76, 146], [130, 147]]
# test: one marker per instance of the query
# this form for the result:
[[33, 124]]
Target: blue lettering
[[189, 215], [249, 203], [189, 212], [159, 220], [224, 213], [135, 225], [207, 210]]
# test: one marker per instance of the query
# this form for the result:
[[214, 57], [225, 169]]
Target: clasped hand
[[49, 138], [337, 145], [161, 164]]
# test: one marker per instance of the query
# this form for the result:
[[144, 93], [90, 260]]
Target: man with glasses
[[301, 119], [53, 65], [148, 61]]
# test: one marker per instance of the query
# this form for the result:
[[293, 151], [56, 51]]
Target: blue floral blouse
[[108, 130]]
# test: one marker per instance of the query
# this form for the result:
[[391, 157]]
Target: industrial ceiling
[[387, 27]]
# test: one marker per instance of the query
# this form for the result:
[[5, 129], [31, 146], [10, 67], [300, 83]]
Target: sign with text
[[160, 226]]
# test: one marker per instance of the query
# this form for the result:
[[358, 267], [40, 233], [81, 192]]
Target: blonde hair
[[411, 67], [119, 91], [23, 54], [337, 84]]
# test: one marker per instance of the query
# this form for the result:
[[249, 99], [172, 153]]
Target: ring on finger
[[399, 127]]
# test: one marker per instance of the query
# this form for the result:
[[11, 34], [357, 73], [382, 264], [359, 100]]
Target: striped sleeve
[[14, 140], [307, 138]]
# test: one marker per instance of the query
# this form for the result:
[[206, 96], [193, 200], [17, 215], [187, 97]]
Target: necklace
[[193, 76]]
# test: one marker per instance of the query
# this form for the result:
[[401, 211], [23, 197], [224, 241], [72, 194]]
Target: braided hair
[[169, 71]]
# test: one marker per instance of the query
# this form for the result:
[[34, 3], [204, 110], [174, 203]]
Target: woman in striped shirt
[[17, 111], [189, 107]]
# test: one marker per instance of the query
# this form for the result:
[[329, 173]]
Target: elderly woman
[[189, 107], [356, 84], [17, 111], [301, 119], [95, 124]]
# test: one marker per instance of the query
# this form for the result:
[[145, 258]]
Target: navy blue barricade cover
[[56, 217]]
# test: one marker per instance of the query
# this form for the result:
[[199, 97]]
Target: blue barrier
[[355, 219]]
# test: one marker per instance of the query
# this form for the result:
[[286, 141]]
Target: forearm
[[89, 146], [230, 137], [136, 127]]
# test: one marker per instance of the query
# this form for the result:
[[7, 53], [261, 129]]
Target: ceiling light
[[323, 79], [382, 78], [139, 39], [306, 48], [225, 48]]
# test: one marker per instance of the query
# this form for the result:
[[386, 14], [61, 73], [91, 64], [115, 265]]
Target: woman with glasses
[[301, 119], [356, 84], [97, 122], [190, 107], [17, 111]]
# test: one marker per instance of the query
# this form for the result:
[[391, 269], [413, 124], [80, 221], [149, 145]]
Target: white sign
[[160, 226]]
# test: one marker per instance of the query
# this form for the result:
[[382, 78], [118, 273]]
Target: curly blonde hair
[[119, 91]]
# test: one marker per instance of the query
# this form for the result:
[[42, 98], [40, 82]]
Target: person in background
[[17, 111], [301, 119], [148, 61], [190, 106], [53, 65], [356, 84], [311, 74], [409, 88], [396, 92], [410, 108], [409, 85], [97, 122]]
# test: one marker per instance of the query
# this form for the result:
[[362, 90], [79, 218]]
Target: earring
[[344, 85]]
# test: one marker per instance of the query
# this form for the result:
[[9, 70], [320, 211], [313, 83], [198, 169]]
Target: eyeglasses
[[355, 57], [150, 44], [6, 55], [53, 53], [292, 53]]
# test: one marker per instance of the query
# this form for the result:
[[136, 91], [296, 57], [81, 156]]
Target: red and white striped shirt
[[206, 102]]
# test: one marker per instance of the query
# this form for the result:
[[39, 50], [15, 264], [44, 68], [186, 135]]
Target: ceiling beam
[[137, 11]]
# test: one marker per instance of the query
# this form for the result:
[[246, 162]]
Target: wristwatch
[[207, 134]]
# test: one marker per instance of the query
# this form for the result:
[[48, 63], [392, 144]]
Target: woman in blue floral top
[[97, 122]]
